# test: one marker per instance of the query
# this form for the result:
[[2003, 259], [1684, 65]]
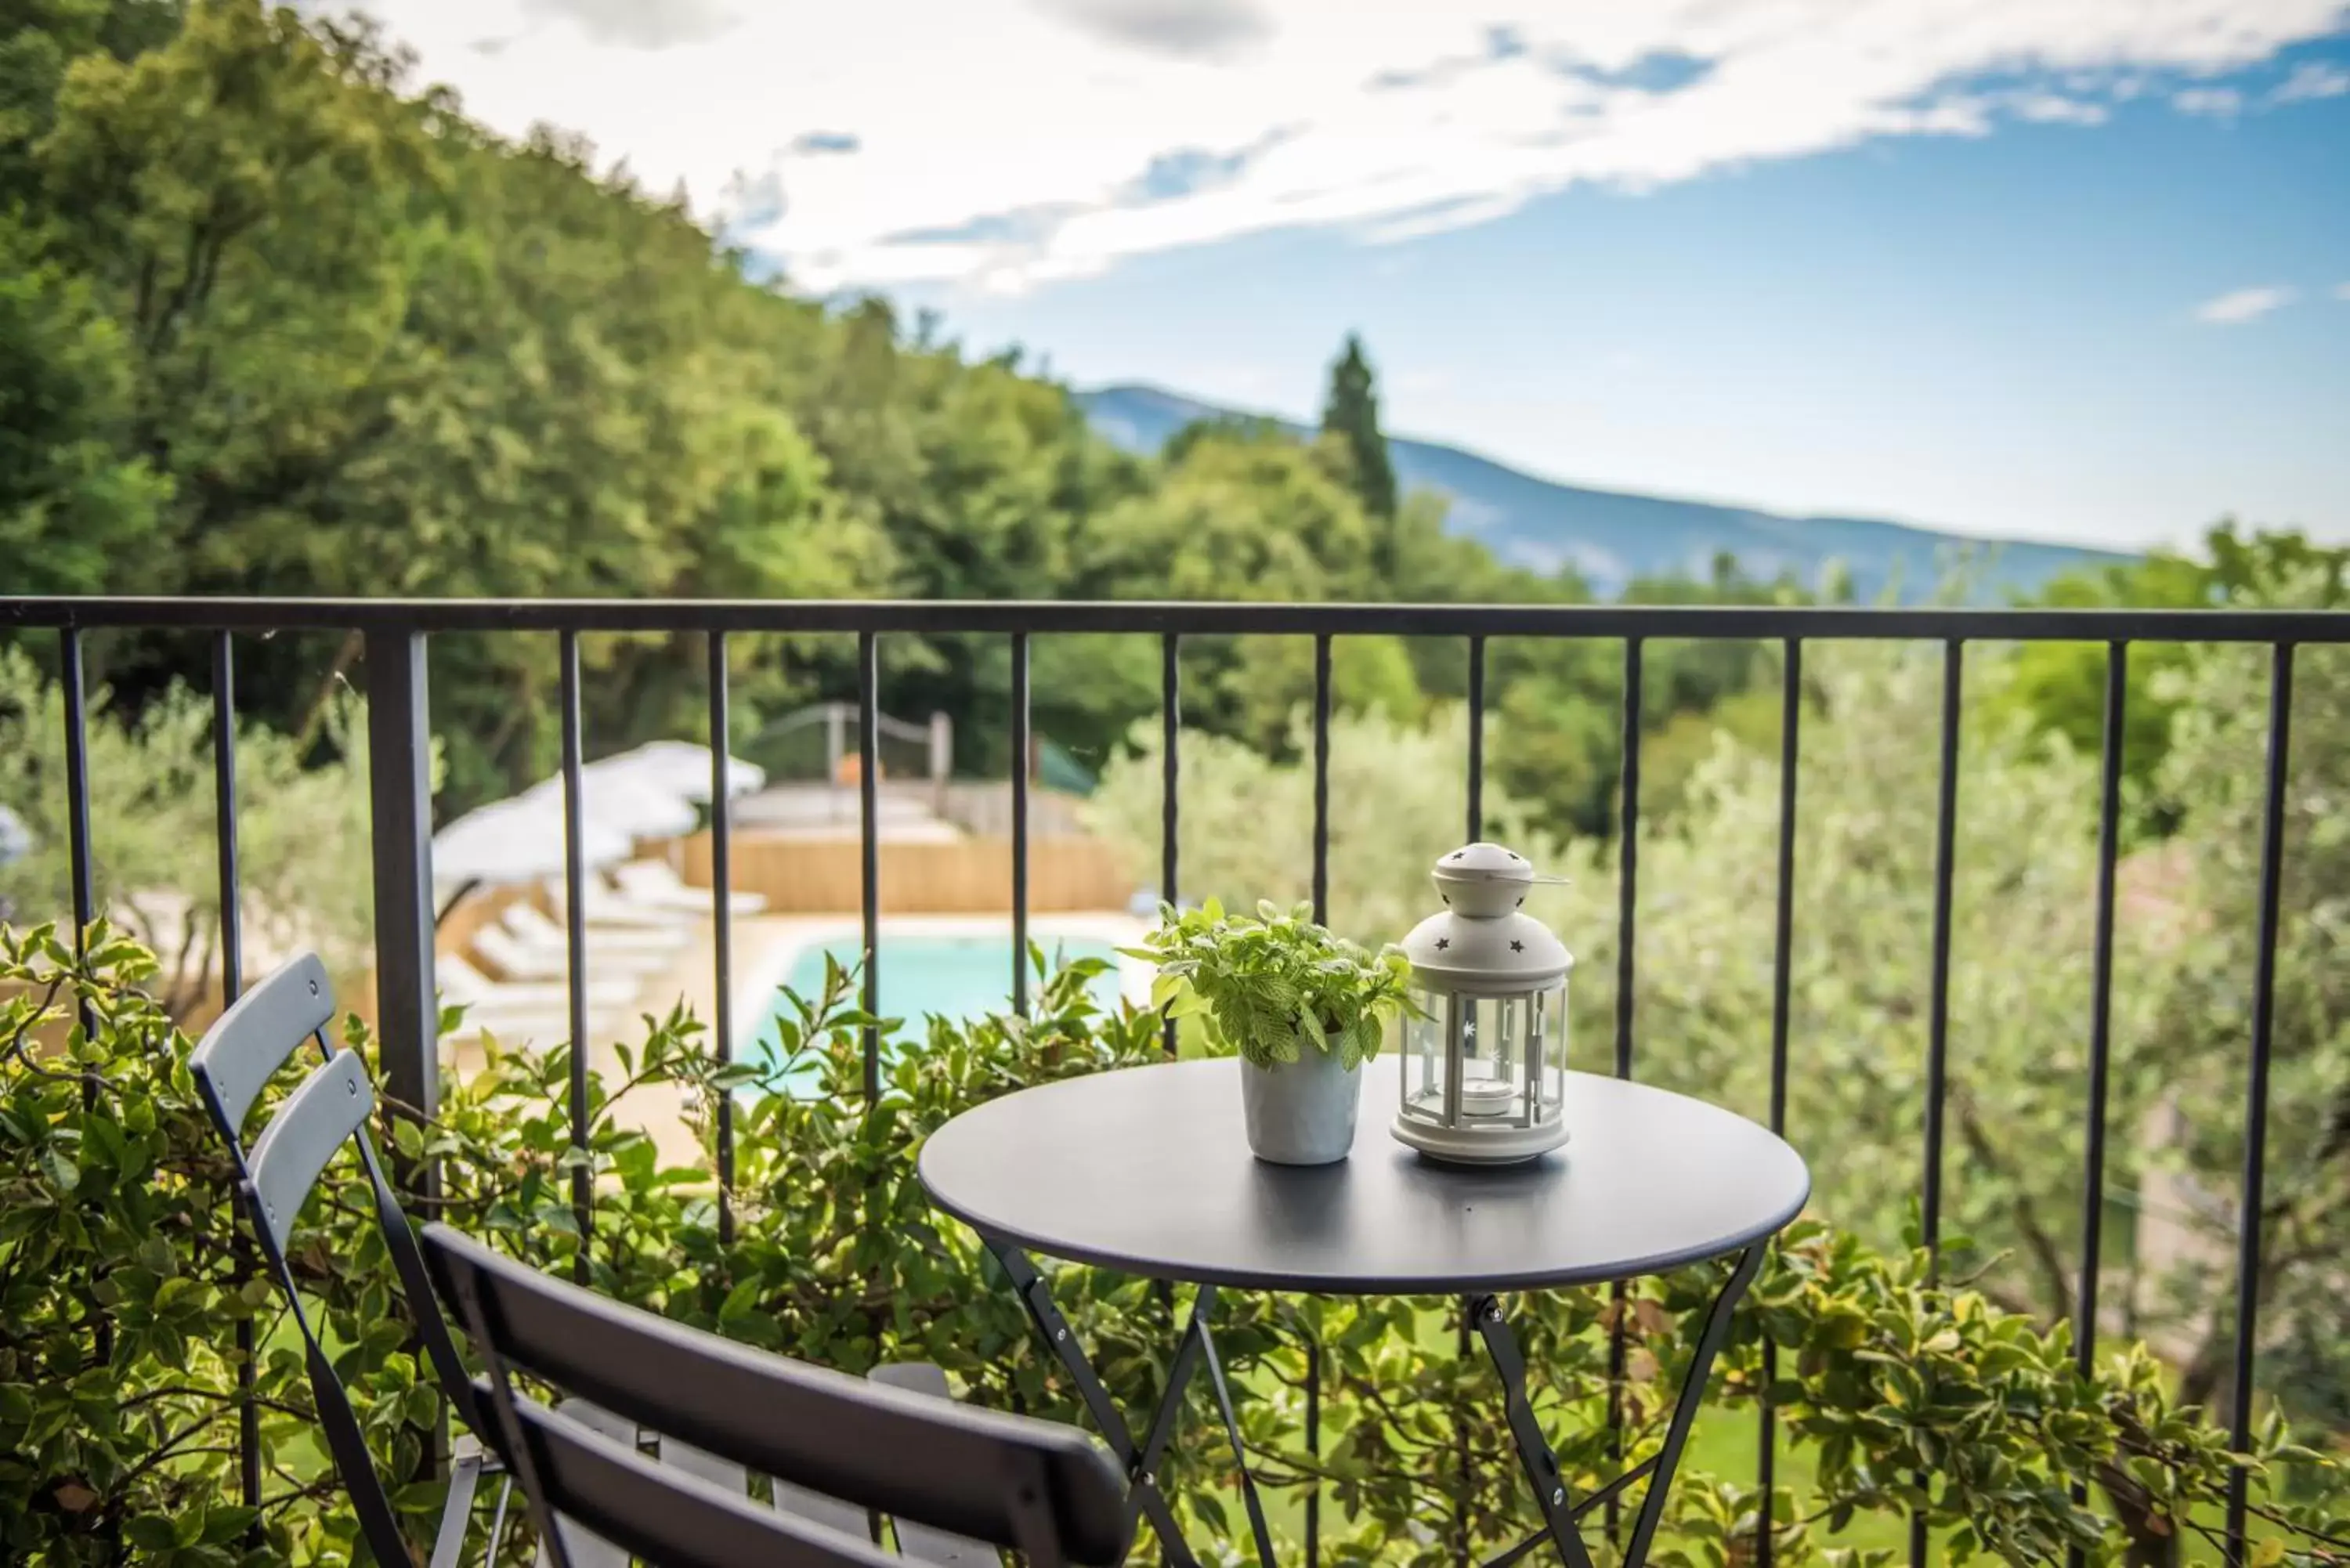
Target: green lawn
[[1725, 1444]]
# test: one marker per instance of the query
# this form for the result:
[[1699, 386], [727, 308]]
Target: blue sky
[[2066, 269], [1998, 334]]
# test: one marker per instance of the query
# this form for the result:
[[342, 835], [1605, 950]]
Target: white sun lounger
[[608, 907], [544, 970], [463, 985], [522, 960], [653, 883], [525, 921]]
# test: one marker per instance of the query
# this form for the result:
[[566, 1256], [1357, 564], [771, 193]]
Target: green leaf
[[225, 1523], [150, 1532], [60, 1169]]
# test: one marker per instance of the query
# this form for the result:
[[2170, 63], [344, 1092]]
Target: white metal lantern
[[1484, 1065]]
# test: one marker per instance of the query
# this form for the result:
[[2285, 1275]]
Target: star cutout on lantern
[[1517, 946], [1442, 943]]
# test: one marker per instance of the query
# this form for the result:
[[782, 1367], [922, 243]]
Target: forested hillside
[[277, 317], [1613, 536]]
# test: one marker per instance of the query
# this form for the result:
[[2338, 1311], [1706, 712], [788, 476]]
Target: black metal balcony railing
[[394, 633]]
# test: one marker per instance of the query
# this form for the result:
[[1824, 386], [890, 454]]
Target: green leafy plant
[[1272, 985], [122, 1278]]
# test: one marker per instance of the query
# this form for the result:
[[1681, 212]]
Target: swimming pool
[[953, 976]]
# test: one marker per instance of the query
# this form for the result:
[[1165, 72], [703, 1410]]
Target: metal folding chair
[[235, 1059], [1046, 1489]]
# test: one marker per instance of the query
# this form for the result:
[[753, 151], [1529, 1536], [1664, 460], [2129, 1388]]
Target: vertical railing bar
[[1171, 718], [400, 854], [1322, 777], [722, 915], [575, 921], [232, 923], [1627, 830], [1321, 915], [2256, 1091], [1791, 718], [78, 841], [399, 809], [2101, 988], [1938, 1024], [2101, 985], [232, 962], [1476, 739], [85, 888], [868, 817], [1314, 1448], [1475, 830], [1791, 722], [1021, 746]]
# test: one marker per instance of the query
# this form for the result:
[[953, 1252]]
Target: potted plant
[[1302, 1008]]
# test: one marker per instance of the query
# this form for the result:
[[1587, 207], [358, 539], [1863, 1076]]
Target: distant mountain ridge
[[1613, 536]]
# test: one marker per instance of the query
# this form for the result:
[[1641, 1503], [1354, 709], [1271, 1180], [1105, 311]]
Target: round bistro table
[[1148, 1172]]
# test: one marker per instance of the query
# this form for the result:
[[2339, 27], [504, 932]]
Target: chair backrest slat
[[238, 1056], [903, 1453], [316, 1121], [253, 1039], [919, 1542], [669, 1517]]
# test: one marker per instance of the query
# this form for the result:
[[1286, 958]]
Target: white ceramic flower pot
[[1300, 1112]]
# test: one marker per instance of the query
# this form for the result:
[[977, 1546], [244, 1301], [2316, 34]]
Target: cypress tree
[[1351, 413]]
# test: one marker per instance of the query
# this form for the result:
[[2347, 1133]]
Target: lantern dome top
[[1482, 941], [1485, 881]]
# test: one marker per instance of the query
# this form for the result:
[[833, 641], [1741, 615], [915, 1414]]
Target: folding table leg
[[1239, 1455], [1534, 1451], [1709, 1346], [1559, 1513], [1144, 1495]]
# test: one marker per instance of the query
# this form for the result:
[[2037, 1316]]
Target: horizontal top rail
[[1203, 620]]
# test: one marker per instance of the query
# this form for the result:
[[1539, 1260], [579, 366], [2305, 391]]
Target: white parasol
[[680, 767], [521, 840], [624, 803]]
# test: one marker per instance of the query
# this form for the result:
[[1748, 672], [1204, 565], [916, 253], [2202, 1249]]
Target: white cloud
[[2053, 108], [1025, 140], [2220, 103], [2311, 79], [2342, 291], [2240, 306], [633, 24], [1207, 29]]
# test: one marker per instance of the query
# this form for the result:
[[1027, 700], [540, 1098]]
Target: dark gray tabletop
[[1148, 1170]]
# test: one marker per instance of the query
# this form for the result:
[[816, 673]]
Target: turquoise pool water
[[954, 977]]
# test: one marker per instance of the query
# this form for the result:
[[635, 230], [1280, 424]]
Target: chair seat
[[917, 1542], [1004, 1482]]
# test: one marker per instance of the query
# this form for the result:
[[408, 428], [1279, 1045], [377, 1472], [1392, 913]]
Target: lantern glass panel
[[1423, 1056], [1547, 1047], [1488, 1052]]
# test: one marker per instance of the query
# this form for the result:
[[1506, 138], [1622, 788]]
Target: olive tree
[[2214, 778], [302, 829]]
